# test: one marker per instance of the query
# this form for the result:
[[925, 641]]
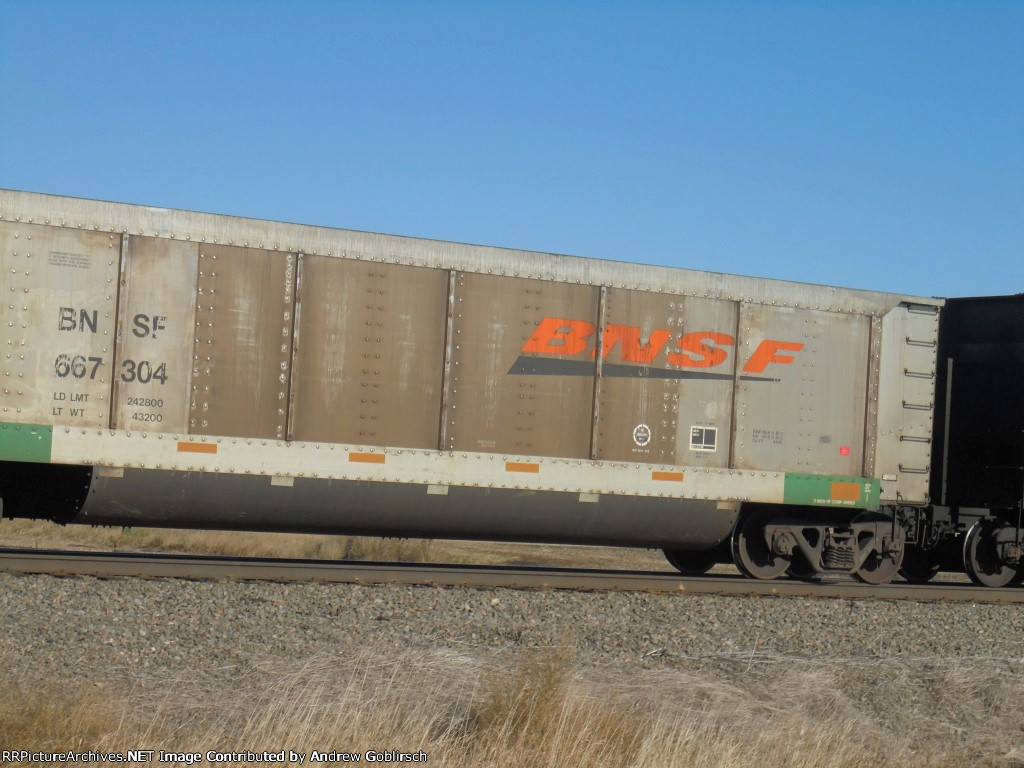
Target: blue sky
[[865, 144]]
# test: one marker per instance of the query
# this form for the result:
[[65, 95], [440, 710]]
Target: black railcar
[[977, 478]]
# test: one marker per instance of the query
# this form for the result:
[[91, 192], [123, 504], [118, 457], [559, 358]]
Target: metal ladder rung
[[918, 406], [919, 374]]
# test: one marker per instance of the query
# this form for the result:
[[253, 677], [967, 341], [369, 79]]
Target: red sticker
[[844, 450]]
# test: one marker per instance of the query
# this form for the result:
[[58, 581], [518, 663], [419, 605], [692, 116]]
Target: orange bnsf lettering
[[697, 353], [559, 336], [767, 352], [632, 351]]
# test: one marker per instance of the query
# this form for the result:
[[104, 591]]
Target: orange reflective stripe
[[368, 458], [518, 466], [198, 448], [845, 491]]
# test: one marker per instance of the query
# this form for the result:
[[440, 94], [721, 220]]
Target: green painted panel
[[832, 491], [25, 442]]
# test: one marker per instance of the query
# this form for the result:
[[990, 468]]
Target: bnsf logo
[[696, 351]]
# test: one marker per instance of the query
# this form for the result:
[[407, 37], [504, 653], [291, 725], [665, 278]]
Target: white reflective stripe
[[117, 448]]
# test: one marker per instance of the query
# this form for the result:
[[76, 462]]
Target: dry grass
[[54, 721], [42, 534], [547, 710]]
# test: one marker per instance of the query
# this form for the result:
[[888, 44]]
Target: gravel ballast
[[65, 628]]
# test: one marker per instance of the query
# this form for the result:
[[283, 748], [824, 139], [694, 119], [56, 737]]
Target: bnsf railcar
[[168, 368]]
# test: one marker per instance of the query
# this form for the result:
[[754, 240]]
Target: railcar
[[976, 482], [180, 369]]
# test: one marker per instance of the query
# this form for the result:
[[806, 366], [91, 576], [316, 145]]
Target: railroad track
[[205, 567]]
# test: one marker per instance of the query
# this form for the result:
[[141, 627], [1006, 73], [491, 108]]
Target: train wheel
[[751, 552], [982, 560], [692, 562], [878, 569], [919, 565], [882, 564]]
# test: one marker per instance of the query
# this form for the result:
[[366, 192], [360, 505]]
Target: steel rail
[[205, 567]]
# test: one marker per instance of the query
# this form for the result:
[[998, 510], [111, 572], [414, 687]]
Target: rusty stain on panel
[[296, 343], [368, 368], [242, 355], [116, 357], [446, 376], [668, 368], [706, 350], [595, 417], [871, 410], [510, 393], [155, 335]]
